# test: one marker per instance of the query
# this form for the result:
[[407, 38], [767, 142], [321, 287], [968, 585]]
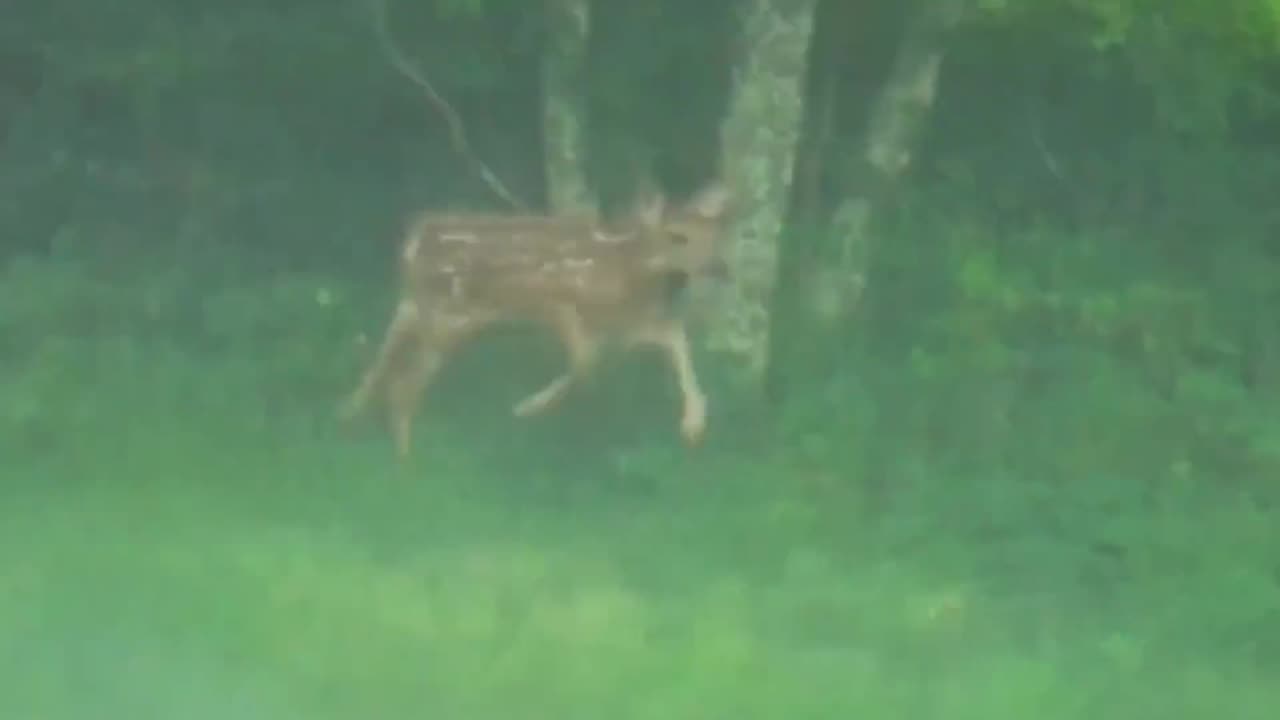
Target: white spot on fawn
[[608, 238], [412, 248]]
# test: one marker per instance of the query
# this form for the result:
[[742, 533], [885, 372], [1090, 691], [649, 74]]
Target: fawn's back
[[522, 264]]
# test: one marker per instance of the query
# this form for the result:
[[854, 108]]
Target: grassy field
[[163, 566], [185, 534]]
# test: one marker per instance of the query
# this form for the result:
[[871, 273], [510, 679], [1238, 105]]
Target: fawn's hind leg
[[400, 331], [438, 335], [405, 389]]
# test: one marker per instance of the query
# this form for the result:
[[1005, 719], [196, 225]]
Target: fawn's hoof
[[693, 426], [529, 406], [349, 410]]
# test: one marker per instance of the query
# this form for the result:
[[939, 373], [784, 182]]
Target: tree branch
[[457, 131]]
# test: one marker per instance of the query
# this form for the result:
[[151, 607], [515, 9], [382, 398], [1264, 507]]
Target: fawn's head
[[684, 240]]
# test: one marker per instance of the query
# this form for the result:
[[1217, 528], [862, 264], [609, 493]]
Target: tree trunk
[[564, 106], [760, 135], [897, 119]]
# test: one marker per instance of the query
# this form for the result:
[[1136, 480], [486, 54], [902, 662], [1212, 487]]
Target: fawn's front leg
[[543, 399], [674, 340], [582, 350]]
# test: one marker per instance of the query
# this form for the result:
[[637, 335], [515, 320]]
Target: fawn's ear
[[711, 202]]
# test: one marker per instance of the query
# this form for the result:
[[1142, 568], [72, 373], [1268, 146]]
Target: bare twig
[[457, 131], [1037, 137]]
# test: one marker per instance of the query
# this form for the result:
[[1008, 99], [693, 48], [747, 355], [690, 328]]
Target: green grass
[[171, 566]]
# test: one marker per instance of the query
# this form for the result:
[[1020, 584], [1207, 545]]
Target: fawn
[[591, 284]]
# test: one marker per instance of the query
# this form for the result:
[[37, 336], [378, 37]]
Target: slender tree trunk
[[564, 106], [760, 135], [897, 119]]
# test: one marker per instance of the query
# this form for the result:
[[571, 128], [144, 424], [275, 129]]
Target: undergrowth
[[1037, 488]]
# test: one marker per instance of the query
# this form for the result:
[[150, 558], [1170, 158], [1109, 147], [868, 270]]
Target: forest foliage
[[1069, 282]]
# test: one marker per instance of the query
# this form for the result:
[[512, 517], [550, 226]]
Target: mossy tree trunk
[[815, 317], [759, 137], [897, 119], [564, 106]]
